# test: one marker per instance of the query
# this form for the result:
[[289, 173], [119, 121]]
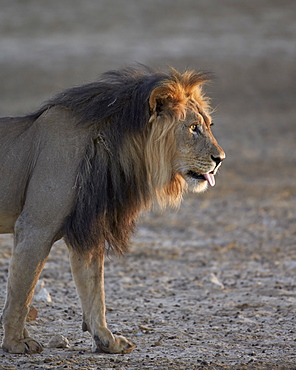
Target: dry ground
[[211, 286]]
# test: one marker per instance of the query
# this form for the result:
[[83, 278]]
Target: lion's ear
[[160, 100]]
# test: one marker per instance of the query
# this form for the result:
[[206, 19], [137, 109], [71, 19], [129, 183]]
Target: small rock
[[58, 341], [43, 296], [215, 280], [32, 314]]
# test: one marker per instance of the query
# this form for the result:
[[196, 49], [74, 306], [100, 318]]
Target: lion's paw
[[26, 345], [117, 345]]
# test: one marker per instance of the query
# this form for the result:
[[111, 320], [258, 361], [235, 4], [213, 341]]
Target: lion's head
[[182, 149], [150, 137]]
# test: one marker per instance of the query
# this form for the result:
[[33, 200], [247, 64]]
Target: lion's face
[[181, 151], [198, 154]]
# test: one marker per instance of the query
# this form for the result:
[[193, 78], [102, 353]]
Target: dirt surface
[[211, 286]]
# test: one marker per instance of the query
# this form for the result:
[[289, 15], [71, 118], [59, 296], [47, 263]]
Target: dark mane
[[122, 94], [107, 202]]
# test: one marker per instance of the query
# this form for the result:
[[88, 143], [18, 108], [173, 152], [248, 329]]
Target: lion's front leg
[[88, 273]]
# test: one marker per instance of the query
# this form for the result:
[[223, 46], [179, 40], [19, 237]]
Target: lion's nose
[[219, 159]]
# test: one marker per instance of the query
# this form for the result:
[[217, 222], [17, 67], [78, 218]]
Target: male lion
[[82, 167]]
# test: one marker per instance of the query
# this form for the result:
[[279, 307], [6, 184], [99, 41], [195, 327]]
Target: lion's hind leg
[[30, 251], [88, 273], [21, 343], [23, 346]]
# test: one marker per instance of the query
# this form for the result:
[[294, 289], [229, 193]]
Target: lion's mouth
[[209, 177]]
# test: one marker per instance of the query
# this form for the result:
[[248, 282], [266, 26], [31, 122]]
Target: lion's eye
[[195, 128]]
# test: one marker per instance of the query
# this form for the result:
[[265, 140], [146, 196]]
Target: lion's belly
[[7, 223], [10, 205], [11, 200]]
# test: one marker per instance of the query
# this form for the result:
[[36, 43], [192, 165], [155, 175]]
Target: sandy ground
[[211, 286]]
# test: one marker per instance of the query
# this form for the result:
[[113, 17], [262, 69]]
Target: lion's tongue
[[210, 178]]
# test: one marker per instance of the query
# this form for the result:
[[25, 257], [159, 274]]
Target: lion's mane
[[131, 114]]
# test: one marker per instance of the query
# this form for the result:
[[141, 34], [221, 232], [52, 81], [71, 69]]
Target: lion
[[82, 167]]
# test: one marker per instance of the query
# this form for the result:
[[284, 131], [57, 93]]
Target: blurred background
[[250, 46]]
